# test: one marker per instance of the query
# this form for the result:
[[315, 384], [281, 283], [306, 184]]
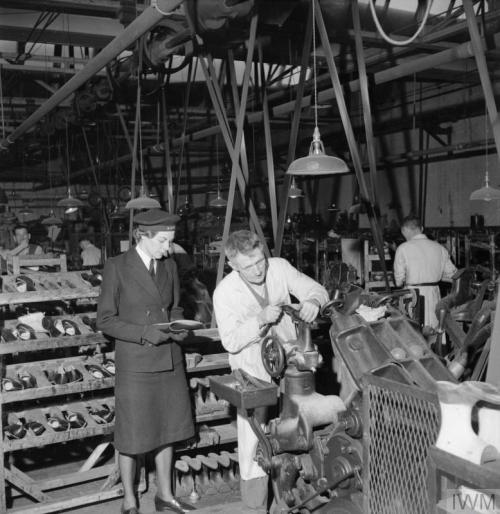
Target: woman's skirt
[[152, 410]]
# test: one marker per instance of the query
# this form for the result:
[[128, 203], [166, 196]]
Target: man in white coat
[[247, 303], [422, 263]]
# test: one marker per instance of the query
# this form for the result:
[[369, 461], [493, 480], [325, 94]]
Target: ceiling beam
[[101, 8], [72, 30], [148, 19]]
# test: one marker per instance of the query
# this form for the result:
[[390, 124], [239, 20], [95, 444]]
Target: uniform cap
[[156, 219]]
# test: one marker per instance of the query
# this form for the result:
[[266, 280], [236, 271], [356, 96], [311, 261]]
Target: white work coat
[[236, 310], [421, 261]]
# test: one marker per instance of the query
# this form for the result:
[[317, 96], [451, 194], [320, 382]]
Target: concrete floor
[[217, 505], [220, 503]]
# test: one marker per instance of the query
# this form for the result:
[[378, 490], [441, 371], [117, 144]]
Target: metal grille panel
[[401, 423]]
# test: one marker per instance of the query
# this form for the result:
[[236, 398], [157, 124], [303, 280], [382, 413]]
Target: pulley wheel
[[273, 356]]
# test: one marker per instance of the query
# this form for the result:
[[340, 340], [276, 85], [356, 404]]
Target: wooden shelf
[[210, 362], [32, 345], [49, 287], [47, 398]]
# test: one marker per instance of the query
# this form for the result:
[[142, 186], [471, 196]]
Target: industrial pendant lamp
[[25, 210], [317, 163], [294, 192], [218, 202], [52, 219], [143, 201], [69, 203], [486, 193]]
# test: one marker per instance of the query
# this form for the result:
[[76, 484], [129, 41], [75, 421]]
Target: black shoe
[[173, 505], [132, 510]]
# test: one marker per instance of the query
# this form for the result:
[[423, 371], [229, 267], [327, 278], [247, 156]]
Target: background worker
[[23, 247], [90, 254], [422, 263]]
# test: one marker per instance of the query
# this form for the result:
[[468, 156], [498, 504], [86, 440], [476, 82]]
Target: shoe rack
[[372, 269], [57, 387]]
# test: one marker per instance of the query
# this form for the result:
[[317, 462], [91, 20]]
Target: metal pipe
[[144, 22]]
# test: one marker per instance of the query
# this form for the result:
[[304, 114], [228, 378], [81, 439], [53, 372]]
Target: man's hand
[[269, 314], [154, 336], [309, 311], [19, 248]]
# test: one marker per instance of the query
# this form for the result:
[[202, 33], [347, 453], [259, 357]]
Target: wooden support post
[[482, 67], [234, 149], [271, 177], [493, 373], [300, 102], [351, 140], [166, 145], [26, 484], [94, 457], [236, 102], [365, 99]]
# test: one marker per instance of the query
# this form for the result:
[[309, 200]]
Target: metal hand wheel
[[273, 356], [327, 309]]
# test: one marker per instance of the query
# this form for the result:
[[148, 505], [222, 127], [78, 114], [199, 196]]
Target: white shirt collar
[[146, 259]]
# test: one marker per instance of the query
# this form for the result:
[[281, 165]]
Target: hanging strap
[[263, 301]]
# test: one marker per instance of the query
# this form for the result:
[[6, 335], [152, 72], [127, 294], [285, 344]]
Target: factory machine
[[318, 449]]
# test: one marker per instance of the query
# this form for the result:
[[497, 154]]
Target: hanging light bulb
[[294, 192], [218, 202], [70, 202], [52, 219], [486, 193], [8, 217], [185, 209], [143, 201], [317, 163], [25, 210]]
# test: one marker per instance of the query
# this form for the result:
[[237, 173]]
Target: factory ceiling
[[428, 84]]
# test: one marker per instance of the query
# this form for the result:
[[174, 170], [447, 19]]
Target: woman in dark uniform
[[152, 398]]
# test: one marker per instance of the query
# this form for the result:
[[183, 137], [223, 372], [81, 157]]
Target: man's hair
[[411, 222], [241, 241], [19, 227]]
